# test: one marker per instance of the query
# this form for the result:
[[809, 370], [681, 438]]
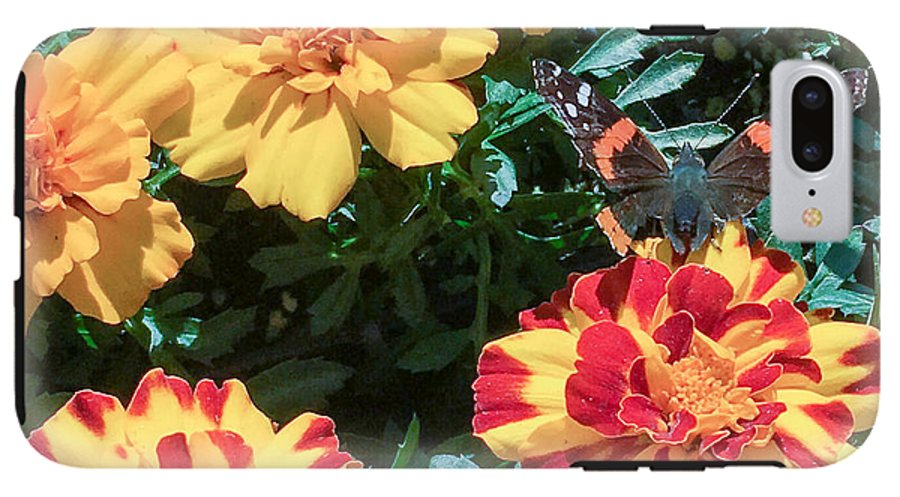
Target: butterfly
[[687, 197]]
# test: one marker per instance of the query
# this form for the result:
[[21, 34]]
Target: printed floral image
[[91, 233], [706, 359], [287, 106], [167, 425], [434, 248]]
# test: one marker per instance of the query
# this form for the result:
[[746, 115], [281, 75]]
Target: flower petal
[[676, 334], [138, 73], [594, 393], [520, 398], [208, 137], [412, 124], [849, 357], [304, 154], [641, 413], [229, 409], [55, 241], [441, 55], [729, 445], [701, 292], [773, 275], [244, 59], [728, 254], [161, 405], [142, 246], [554, 314], [308, 441], [88, 431], [786, 334], [627, 293], [813, 431], [107, 161], [217, 449]]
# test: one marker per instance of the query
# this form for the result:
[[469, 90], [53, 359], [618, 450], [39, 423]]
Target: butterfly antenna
[[728, 109], [653, 113]]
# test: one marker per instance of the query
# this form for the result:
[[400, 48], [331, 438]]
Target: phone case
[[445, 248]]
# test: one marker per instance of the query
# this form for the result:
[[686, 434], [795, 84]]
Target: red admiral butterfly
[[686, 199]]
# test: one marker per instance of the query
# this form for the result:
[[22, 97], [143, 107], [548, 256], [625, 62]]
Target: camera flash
[[812, 217]]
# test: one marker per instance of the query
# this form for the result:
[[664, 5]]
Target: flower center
[[322, 50], [43, 154], [700, 386]]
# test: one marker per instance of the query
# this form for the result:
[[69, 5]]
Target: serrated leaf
[[614, 49], [287, 264], [500, 92], [333, 305], [447, 461], [407, 449], [218, 335], [666, 74], [698, 135], [496, 172], [434, 352], [408, 291], [296, 386]]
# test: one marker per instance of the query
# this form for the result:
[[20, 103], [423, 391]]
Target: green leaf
[[178, 303], [873, 226], [218, 335], [407, 449], [410, 300], [500, 92], [614, 49], [59, 41], [333, 305], [698, 135], [287, 264], [295, 386], [665, 75], [447, 461], [434, 352], [865, 136], [497, 173]]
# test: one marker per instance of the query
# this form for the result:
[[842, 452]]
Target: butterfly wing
[[738, 177], [607, 140], [609, 143], [857, 79]]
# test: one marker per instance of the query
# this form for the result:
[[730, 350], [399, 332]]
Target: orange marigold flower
[[167, 425], [696, 359], [286, 106], [91, 233]]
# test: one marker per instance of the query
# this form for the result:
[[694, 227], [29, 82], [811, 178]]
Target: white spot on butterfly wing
[[571, 110], [559, 94], [556, 70], [584, 94]]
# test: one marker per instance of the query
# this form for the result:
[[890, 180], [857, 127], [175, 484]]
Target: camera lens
[[812, 124], [813, 93], [812, 152]]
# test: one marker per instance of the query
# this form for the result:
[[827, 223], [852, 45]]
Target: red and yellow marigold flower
[[91, 233], [167, 425], [703, 358], [285, 106]]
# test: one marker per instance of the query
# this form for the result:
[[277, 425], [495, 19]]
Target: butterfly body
[[685, 198]]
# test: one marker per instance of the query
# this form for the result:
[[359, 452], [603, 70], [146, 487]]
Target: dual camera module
[[812, 123]]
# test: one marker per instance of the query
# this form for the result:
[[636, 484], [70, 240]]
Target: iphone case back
[[446, 248]]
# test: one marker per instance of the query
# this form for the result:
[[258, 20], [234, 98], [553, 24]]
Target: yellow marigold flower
[[91, 233], [167, 425], [536, 31], [286, 106], [705, 358]]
